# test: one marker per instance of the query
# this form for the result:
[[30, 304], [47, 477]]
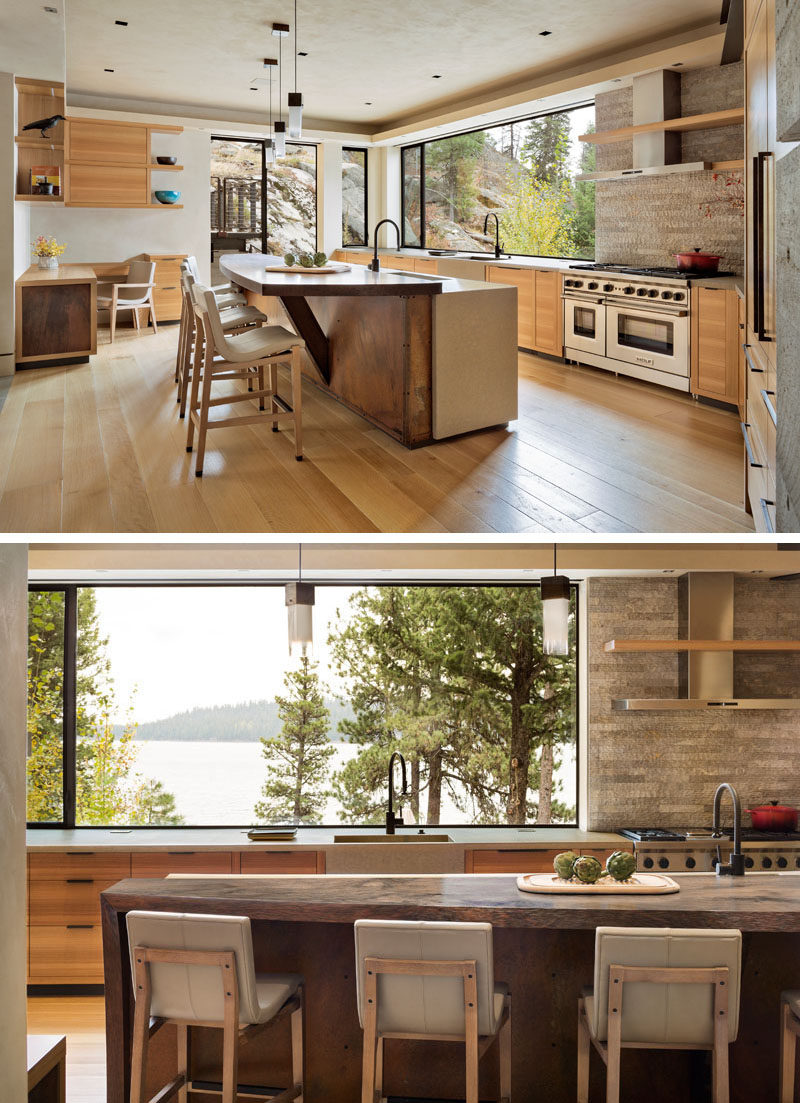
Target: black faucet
[[735, 866], [375, 265], [392, 820], [498, 249]]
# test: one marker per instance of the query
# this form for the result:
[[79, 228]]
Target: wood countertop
[[65, 273], [755, 903], [248, 270]]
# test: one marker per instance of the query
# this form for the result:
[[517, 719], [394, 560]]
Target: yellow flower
[[47, 247]]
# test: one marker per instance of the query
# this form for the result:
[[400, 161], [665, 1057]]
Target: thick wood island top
[[769, 902], [248, 270]]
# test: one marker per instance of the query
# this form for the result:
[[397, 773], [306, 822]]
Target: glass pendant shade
[[300, 603], [295, 114], [555, 615], [269, 151], [280, 138]]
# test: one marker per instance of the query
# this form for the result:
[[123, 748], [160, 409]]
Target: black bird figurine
[[44, 124]]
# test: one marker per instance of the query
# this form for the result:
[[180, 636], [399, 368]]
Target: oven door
[[585, 324], [652, 337]]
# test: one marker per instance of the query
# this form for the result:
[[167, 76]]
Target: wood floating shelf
[[730, 117], [166, 168], [20, 198], [37, 143], [727, 166], [702, 645]]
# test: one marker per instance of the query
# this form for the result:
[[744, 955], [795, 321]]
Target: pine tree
[[545, 149], [298, 759], [583, 230]]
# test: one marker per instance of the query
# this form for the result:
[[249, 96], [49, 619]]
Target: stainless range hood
[[705, 678], [656, 97]]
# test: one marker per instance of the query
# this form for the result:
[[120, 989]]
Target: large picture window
[[355, 183], [524, 172], [180, 705]]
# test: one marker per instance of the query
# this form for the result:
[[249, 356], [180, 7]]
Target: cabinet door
[[522, 279], [548, 314], [160, 863], [106, 186], [512, 860], [90, 141], [283, 861], [66, 954], [715, 353]]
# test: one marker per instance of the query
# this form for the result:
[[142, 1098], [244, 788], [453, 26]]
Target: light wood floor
[[99, 448], [82, 1019]]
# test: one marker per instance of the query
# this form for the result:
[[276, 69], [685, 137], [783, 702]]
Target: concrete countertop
[[469, 258], [310, 838]]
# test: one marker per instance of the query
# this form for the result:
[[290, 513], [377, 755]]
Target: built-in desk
[[56, 314]]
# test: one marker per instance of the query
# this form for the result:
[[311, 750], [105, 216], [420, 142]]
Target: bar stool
[[660, 988], [234, 317], [241, 357], [198, 970], [790, 1031], [221, 290], [430, 980]]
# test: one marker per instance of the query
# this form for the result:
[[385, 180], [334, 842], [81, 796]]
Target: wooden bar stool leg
[[113, 314], [788, 1053], [273, 386], [719, 1056], [181, 342], [141, 1032], [202, 425], [298, 1047], [297, 402], [505, 1056], [584, 1052], [261, 385], [614, 1053], [379, 1069], [137, 325], [370, 1039], [192, 373], [471, 1035], [230, 1037], [153, 312], [183, 1060]]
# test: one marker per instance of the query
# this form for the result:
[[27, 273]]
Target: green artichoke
[[306, 261], [620, 865], [289, 259], [587, 869], [563, 863], [320, 259]]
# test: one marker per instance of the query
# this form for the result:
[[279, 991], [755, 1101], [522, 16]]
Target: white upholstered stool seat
[[790, 1031], [660, 988], [421, 979], [241, 316], [198, 970], [256, 343]]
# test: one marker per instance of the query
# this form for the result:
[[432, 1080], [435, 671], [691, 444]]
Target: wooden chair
[[434, 982], [790, 1031], [221, 290], [235, 316], [198, 970], [660, 988], [129, 296], [220, 357]]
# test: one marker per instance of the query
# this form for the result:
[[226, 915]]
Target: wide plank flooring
[[99, 448], [82, 1020]]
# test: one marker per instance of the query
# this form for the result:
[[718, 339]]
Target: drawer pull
[[80, 853], [80, 926], [180, 853], [753, 368], [768, 396], [765, 504], [172, 288], [750, 457], [80, 881]]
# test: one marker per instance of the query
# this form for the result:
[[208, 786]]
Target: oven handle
[[621, 305], [582, 299]]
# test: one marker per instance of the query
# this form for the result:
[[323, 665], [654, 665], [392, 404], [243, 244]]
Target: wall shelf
[[39, 198], [730, 117], [701, 645], [166, 168], [37, 99]]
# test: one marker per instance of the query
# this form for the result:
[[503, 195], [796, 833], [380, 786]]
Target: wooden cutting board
[[298, 270], [642, 883]]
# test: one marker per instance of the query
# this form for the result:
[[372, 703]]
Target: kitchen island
[[422, 357], [544, 948]]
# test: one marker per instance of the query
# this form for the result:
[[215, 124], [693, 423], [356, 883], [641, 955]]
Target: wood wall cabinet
[[38, 99], [540, 318], [715, 367], [109, 164]]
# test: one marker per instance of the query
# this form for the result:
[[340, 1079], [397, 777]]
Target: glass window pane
[[354, 197], [45, 705], [412, 199], [292, 201], [647, 334], [236, 192]]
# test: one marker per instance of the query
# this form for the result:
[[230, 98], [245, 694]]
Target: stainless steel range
[[699, 851], [634, 321]]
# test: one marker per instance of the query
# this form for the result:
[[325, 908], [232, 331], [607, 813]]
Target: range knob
[[766, 863], [608, 286], [653, 293], [749, 863], [578, 283], [641, 291], [628, 290], [782, 863], [666, 294], [593, 286], [679, 295], [797, 862], [664, 863], [690, 863], [569, 283], [648, 863]]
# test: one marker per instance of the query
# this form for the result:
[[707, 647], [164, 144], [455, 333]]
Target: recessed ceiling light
[[437, 76], [120, 22], [49, 10], [368, 103], [108, 70], [543, 34], [302, 53], [252, 89]]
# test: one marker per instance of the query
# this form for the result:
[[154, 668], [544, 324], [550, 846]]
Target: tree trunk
[[298, 781], [414, 800], [519, 763], [545, 810], [434, 787]]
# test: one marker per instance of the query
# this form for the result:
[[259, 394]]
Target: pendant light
[[269, 144], [555, 612], [295, 98], [300, 602], [280, 30]]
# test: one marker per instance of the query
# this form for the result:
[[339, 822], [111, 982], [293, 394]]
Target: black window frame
[[69, 710], [365, 151], [422, 145], [262, 142]]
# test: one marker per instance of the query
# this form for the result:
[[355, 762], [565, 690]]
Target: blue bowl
[[168, 196]]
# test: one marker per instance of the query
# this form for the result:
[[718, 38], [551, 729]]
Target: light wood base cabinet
[[715, 367], [540, 318], [517, 860]]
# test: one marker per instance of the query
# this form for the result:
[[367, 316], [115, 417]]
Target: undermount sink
[[384, 838]]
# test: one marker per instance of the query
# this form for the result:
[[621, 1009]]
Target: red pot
[[773, 817], [697, 261]]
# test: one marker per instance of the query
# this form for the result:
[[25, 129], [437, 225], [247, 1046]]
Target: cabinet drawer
[[400, 264], [180, 861], [91, 140], [510, 861], [760, 485], [66, 954], [283, 861], [427, 266], [603, 855], [106, 186], [763, 427], [75, 900], [79, 863]]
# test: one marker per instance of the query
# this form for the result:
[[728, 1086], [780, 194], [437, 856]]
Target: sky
[[174, 649]]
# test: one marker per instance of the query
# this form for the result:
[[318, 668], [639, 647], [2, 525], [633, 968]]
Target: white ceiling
[[204, 53]]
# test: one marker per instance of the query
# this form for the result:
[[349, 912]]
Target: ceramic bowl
[[167, 160], [168, 196]]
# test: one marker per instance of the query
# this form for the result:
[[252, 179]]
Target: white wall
[[13, 648], [97, 234], [329, 196]]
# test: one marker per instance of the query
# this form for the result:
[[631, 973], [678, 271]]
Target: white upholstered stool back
[[666, 1014], [427, 1004], [195, 992]]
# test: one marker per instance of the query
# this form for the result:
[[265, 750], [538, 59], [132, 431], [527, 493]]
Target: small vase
[[48, 262]]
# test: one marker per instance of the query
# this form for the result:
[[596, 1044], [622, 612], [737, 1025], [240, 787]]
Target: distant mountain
[[245, 723]]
